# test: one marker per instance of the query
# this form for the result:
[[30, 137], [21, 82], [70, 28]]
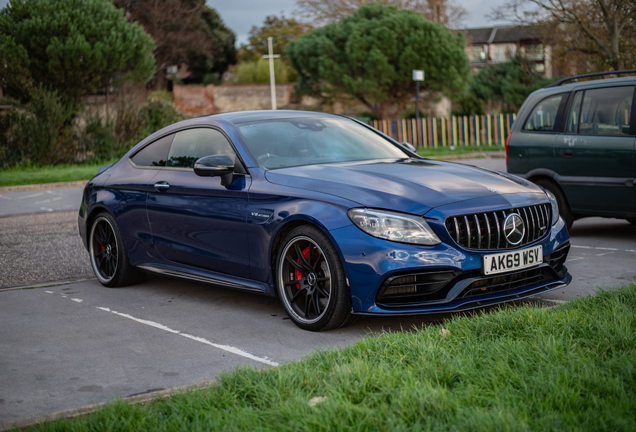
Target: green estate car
[[577, 141]]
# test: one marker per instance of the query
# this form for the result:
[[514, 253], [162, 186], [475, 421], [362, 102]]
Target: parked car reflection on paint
[[328, 214]]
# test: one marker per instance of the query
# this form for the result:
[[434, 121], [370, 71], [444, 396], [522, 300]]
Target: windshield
[[281, 143]]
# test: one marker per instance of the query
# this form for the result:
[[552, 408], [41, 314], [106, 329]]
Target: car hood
[[412, 186]]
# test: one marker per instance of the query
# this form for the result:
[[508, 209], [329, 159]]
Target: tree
[[282, 30], [438, 11], [508, 84], [71, 47], [203, 63], [371, 55], [185, 31], [604, 31]]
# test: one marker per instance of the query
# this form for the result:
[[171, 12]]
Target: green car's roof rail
[[564, 80]]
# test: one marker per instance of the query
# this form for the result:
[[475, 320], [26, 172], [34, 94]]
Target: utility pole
[[272, 81]]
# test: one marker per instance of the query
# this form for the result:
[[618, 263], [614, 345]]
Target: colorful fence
[[449, 131]]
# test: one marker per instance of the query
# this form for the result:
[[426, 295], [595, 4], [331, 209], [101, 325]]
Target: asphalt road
[[75, 344]]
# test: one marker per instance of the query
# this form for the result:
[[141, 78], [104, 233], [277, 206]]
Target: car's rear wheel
[[109, 259], [311, 282], [564, 207]]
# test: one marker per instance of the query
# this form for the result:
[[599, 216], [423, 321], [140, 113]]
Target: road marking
[[227, 348], [77, 300], [602, 248], [31, 196], [50, 292], [42, 202], [1, 196], [57, 198]]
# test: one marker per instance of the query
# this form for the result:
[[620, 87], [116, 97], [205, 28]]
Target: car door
[[595, 154], [195, 220]]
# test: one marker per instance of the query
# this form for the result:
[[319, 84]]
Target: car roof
[[238, 117]]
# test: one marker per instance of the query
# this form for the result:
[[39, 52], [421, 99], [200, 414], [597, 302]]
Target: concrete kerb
[[78, 412], [42, 186]]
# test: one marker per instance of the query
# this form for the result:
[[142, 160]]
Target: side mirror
[[215, 166], [409, 147]]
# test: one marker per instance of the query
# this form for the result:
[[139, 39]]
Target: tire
[[311, 281], [109, 259], [564, 207]]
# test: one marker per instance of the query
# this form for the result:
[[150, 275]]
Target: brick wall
[[196, 100]]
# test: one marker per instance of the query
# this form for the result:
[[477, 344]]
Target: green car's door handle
[[567, 153]]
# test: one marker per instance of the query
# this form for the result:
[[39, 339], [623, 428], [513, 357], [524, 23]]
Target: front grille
[[485, 231]]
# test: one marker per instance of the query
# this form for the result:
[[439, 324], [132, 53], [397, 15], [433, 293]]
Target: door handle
[[567, 153], [162, 186]]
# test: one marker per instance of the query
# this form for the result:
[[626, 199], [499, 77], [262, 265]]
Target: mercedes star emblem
[[514, 229]]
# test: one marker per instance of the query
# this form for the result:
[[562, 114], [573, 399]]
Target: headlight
[[555, 206], [393, 226]]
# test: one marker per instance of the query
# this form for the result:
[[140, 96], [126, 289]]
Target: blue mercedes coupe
[[330, 215]]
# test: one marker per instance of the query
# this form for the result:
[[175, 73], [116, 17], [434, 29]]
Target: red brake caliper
[[298, 275]]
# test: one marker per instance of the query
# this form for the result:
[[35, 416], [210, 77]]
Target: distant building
[[493, 45]]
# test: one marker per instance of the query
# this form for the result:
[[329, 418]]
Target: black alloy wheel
[[311, 282], [109, 260]]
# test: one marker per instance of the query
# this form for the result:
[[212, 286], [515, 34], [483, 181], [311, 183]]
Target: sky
[[241, 15]]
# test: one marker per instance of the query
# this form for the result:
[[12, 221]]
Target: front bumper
[[453, 274]]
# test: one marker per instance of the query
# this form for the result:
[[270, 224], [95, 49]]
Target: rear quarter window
[[546, 115], [154, 154]]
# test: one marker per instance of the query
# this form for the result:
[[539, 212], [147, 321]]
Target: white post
[[272, 82]]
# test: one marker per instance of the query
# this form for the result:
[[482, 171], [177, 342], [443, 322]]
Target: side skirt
[[210, 278]]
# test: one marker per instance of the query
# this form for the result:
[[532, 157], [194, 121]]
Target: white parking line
[[227, 348], [602, 248], [31, 196], [77, 300]]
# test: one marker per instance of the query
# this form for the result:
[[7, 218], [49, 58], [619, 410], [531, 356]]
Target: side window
[[192, 144], [543, 117], [604, 111], [155, 154]]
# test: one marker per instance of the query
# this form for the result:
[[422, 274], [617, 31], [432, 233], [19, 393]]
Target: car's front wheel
[[311, 281], [109, 259], [564, 207]]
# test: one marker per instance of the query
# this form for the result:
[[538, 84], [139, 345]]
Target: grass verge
[[48, 174], [460, 150], [516, 369]]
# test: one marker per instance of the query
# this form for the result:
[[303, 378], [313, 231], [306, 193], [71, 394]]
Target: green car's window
[[192, 144], [573, 116], [155, 154], [604, 111], [543, 117]]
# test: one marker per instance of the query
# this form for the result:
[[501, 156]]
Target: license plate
[[509, 261]]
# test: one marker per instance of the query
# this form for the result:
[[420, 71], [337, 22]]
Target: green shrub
[[97, 139], [157, 114], [468, 105], [258, 72], [40, 132], [211, 78]]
